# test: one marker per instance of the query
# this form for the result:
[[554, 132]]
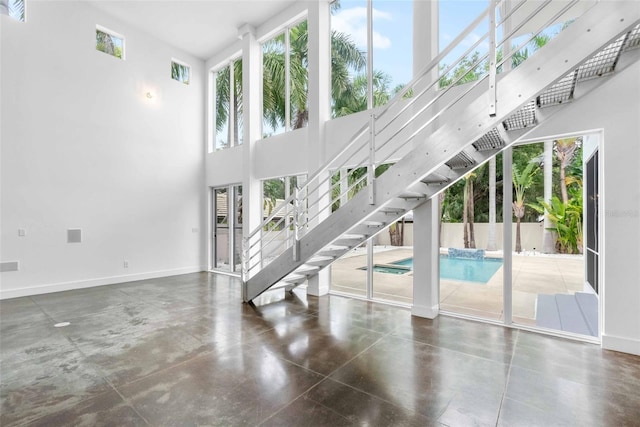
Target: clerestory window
[[180, 71], [109, 42], [17, 10], [227, 126]]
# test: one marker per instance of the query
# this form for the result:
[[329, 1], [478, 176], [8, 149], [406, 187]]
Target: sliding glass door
[[226, 247]]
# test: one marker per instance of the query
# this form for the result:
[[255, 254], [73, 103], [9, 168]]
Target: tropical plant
[[565, 149], [105, 43], [354, 97], [567, 221], [180, 72], [468, 211], [16, 9], [522, 180], [223, 104]]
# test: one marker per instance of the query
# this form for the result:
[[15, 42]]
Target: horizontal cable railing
[[383, 138]]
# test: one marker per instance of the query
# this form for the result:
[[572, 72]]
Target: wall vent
[[74, 235], [9, 266]]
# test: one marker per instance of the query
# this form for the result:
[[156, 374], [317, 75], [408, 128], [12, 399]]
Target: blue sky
[[393, 29]]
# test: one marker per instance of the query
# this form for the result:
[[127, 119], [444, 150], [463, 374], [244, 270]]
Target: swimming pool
[[467, 270]]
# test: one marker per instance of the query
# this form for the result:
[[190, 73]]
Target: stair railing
[[388, 131]]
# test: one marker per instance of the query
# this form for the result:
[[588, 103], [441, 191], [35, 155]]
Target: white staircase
[[433, 138]]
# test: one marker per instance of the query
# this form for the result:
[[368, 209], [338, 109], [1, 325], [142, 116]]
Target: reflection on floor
[[185, 351], [532, 275]]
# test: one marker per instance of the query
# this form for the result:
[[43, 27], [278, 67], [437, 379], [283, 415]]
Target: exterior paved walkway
[[532, 275]]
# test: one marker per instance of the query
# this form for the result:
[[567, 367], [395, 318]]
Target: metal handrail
[[303, 220]]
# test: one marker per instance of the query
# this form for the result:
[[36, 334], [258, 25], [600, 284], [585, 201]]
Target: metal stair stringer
[[469, 121]]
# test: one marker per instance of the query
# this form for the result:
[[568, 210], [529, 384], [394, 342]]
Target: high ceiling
[[199, 27]]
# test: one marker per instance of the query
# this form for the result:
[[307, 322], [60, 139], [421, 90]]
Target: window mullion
[[287, 80], [369, 54], [232, 112]]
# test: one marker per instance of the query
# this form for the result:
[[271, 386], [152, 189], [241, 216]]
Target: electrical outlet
[[126, 264], [195, 230], [22, 232]]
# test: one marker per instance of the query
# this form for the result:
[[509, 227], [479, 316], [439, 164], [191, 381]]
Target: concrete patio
[[533, 274]]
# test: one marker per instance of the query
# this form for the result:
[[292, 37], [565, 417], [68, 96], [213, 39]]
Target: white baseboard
[[81, 284], [624, 345], [424, 311]]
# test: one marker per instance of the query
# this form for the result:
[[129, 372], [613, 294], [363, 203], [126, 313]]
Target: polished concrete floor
[[184, 351]]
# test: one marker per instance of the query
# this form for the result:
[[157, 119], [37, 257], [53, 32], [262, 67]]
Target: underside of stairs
[[467, 136]]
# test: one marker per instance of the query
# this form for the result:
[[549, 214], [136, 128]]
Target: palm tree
[[565, 149], [223, 106], [468, 211], [180, 72], [354, 97], [522, 181], [345, 58], [104, 43], [535, 44], [16, 9]]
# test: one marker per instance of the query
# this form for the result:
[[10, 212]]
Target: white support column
[[426, 218], [426, 256], [507, 194], [507, 233], [548, 245], [319, 24], [344, 186], [251, 191]]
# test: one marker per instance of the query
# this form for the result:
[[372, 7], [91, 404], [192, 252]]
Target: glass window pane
[[299, 70], [273, 84], [452, 23], [109, 43], [180, 72], [17, 10], [222, 109], [237, 253], [237, 101], [392, 47], [222, 229], [470, 274], [393, 262], [348, 57]]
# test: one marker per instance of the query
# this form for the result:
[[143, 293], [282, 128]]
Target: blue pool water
[[468, 270]]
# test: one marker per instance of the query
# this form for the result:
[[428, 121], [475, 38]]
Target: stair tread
[[292, 277], [347, 236], [372, 223], [320, 258], [411, 195], [547, 315], [307, 267], [570, 315]]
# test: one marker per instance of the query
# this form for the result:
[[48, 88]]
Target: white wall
[[613, 109], [452, 235], [82, 147]]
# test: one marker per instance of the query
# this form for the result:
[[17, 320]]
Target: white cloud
[[471, 39], [353, 21]]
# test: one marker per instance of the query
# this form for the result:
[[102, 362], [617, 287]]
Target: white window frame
[[286, 31], [213, 79]]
